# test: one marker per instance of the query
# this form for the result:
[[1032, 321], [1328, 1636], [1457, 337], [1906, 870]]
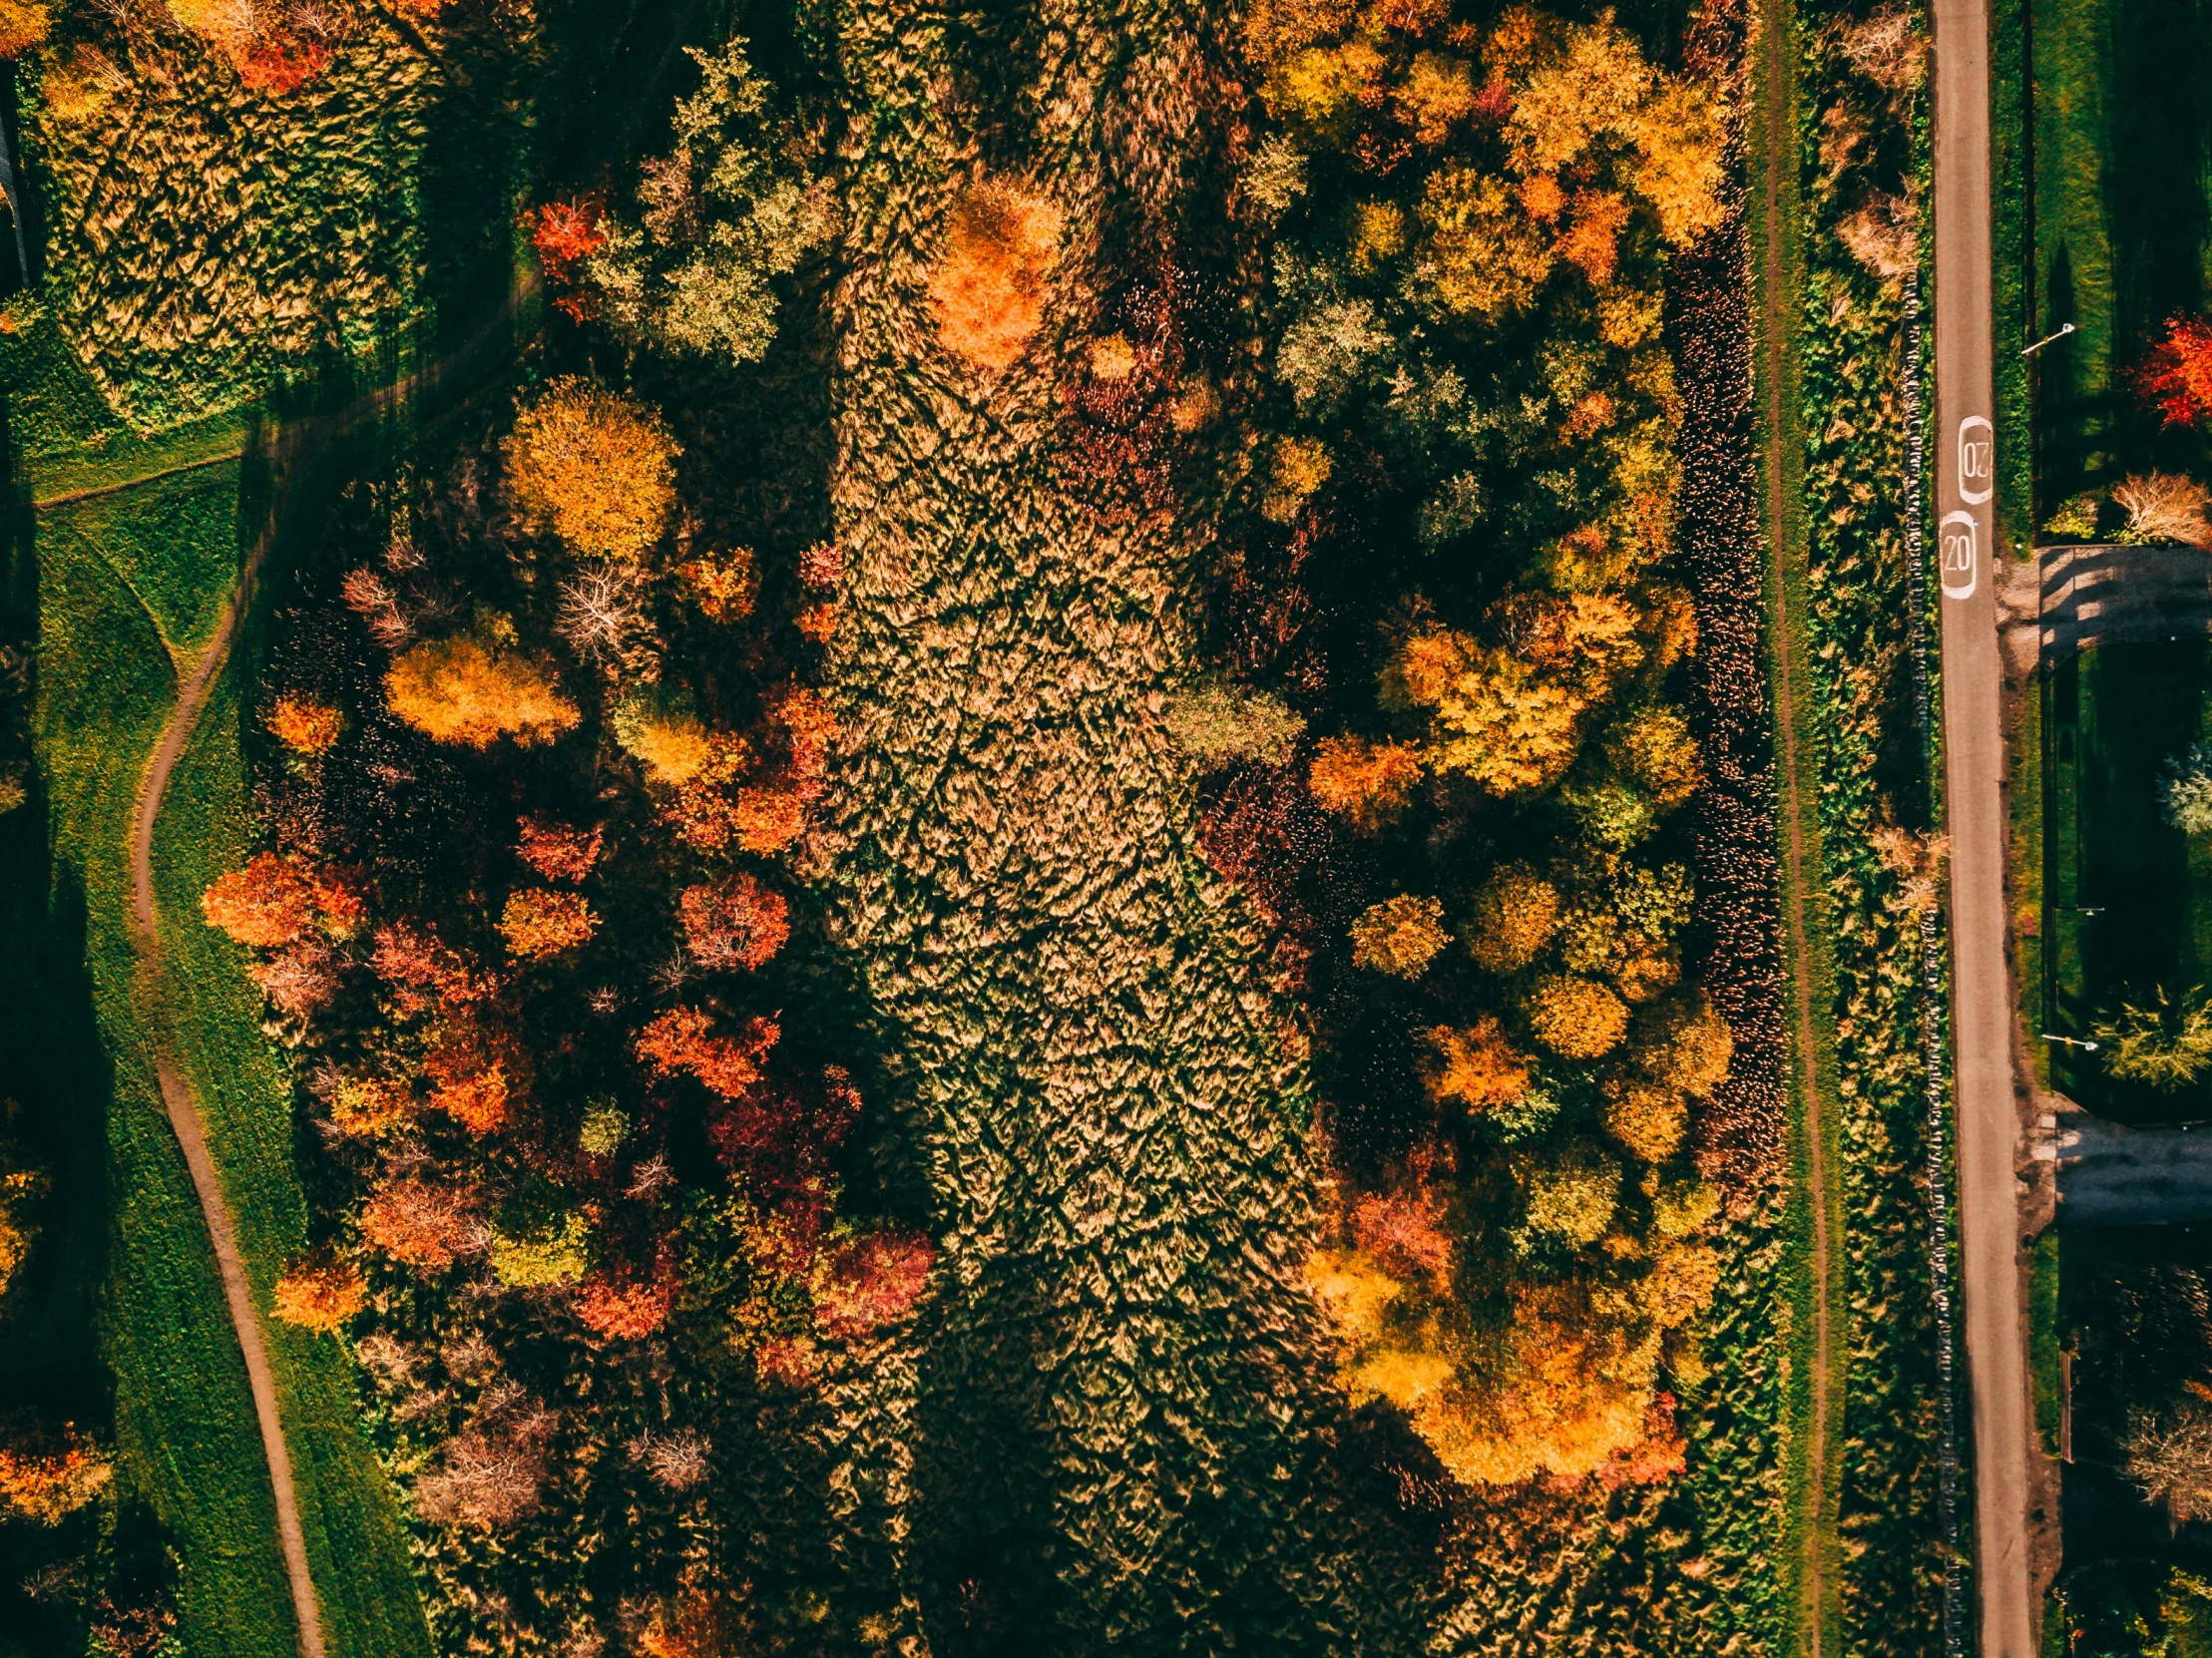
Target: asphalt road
[[1974, 742]]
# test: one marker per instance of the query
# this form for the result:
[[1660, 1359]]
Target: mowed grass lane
[[131, 583]]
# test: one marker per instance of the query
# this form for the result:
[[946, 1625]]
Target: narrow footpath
[[1802, 873], [292, 448], [184, 1108]]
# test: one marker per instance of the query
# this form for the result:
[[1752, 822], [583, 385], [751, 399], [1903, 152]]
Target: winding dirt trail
[[184, 1108], [1817, 1521], [291, 446]]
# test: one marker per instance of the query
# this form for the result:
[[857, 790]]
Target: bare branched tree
[[676, 1461], [600, 615], [2170, 1459]]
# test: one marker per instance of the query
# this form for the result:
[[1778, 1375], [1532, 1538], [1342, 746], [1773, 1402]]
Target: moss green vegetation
[[2043, 1341], [2117, 716], [170, 542], [211, 1018], [185, 1424], [2120, 120], [66, 440]]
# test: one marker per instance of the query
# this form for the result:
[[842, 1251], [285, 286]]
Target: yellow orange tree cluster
[[1476, 222]]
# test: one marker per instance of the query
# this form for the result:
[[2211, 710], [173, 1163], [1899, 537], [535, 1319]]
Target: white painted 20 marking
[[1976, 459], [1962, 554]]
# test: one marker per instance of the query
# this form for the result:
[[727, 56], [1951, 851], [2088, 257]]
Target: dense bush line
[[1863, 156]]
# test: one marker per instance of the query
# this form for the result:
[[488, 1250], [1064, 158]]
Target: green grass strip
[[116, 573], [1813, 1465]]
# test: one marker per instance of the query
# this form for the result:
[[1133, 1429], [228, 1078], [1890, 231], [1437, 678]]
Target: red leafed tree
[[781, 1137], [1403, 1231], [425, 973], [281, 67], [683, 1041], [419, 1223], [737, 922], [269, 903], [870, 1281], [557, 851], [2176, 378], [567, 232]]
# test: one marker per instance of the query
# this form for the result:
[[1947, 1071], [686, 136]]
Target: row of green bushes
[[1862, 108]]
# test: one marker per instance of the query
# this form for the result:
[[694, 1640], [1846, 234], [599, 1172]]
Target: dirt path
[[70, 497], [1817, 1522], [184, 1110]]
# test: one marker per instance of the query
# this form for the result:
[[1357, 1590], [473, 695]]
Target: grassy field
[[2115, 716], [2121, 223], [128, 583]]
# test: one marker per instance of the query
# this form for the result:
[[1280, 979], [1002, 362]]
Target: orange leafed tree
[[539, 922], [305, 725], [1476, 1065], [24, 25], [2176, 378], [596, 468], [269, 903], [457, 690], [723, 586], [683, 1040], [1368, 784], [46, 1483], [737, 924], [319, 1296], [419, 1223], [987, 283], [621, 1311], [475, 1074]]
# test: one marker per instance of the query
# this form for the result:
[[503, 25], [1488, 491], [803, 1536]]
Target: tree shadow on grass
[[55, 1079], [2158, 213]]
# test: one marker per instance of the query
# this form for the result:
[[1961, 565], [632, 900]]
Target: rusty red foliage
[[2176, 377], [281, 67], [871, 1281]]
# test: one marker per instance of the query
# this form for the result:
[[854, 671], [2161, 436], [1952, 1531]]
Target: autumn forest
[[970, 840]]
